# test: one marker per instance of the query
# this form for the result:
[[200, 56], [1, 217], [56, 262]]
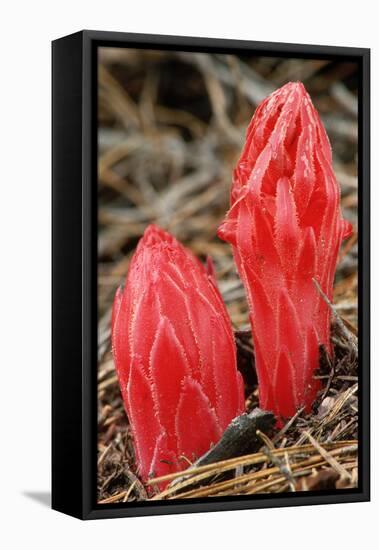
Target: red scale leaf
[[264, 318], [145, 426], [164, 460], [227, 392], [304, 174], [285, 386], [287, 231], [290, 336], [265, 377], [168, 367], [120, 338], [174, 305], [303, 291], [196, 422], [143, 321]]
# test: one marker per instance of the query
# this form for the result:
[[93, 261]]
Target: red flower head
[[175, 355], [286, 228]]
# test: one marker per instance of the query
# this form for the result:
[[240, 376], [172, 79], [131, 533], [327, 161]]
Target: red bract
[[175, 355], [286, 228]]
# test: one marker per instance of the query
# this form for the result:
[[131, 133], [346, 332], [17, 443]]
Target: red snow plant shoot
[[175, 356], [286, 229]]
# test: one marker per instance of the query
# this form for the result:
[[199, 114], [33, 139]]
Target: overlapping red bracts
[[175, 355], [286, 228]]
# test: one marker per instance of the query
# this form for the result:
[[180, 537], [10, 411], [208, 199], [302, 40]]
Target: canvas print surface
[[227, 275]]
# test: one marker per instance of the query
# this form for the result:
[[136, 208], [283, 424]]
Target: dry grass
[[171, 128]]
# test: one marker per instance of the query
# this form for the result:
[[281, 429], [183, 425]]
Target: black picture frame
[[74, 295]]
